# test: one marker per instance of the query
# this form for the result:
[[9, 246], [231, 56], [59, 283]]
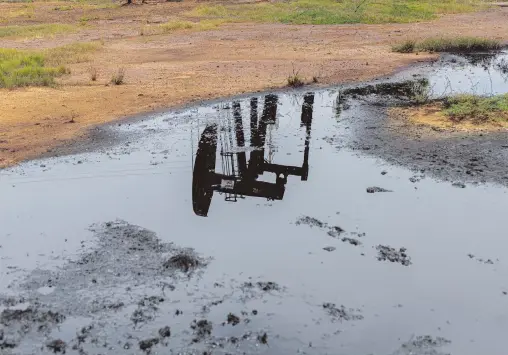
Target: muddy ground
[[171, 70]]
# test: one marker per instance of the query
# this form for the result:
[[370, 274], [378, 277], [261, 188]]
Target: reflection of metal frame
[[238, 177]]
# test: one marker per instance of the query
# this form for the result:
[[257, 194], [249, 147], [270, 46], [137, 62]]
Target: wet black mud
[[341, 313], [391, 254], [476, 157]]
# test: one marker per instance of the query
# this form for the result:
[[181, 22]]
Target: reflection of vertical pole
[[240, 138], [307, 107], [253, 119], [268, 116]]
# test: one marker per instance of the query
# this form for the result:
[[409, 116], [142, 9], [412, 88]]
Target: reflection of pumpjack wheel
[[244, 182]]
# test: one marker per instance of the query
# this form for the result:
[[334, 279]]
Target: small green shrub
[[476, 108]]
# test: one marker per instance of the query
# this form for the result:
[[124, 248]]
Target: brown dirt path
[[185, 66]]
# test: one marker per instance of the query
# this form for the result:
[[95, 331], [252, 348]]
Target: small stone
[[147, 344], [233, 319], [374, 189], [329, 248], [165, 332], [263, 339], [459, 185], [57, 346]]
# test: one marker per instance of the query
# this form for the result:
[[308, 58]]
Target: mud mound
[[185, 261], [19, 322], [125, 260], [341, 313], [423, 345], [125, 255], [393, 255]]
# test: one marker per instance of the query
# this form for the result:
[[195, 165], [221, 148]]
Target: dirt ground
[[186, 66]]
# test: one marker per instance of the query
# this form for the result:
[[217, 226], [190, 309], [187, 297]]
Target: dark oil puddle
[[282, 223]]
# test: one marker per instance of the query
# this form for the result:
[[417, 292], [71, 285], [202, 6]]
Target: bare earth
[[185, 66]]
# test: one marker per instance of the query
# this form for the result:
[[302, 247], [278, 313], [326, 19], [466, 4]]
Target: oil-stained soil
[[449, 154], [263, 225]]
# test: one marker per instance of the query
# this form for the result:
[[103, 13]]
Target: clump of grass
[[172, 26], [32, 31], [63, 8], [93, 73], [294, 80], [407, 46], [83, 20], [118, 77], [457, 44], [476, 108], [18, 69]]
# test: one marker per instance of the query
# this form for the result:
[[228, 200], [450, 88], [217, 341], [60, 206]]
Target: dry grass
[[93, 73], [36, 31], [118, 77], [294, 80], [71, 53], [176, 25]]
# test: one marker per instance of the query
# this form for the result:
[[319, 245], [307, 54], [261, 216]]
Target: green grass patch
[[457, 44], [64, 8], [19, 69], [26, 68], [476, 108], [172, 26], [35, 31], [323, 12]]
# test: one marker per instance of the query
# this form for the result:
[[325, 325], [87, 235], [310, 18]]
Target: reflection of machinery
[[239, 178]]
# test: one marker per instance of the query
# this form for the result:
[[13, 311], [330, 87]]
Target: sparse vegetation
[[443, 44], [407, 46], [476, 108], [180, 25], [320, 12], [32, 31], [118, 77], [72, 53]]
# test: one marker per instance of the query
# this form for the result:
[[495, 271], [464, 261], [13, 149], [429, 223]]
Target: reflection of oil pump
[[238, 177]]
